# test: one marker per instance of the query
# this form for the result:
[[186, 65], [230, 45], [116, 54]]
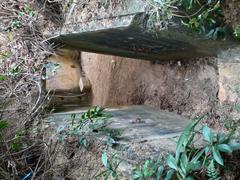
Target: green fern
[[212, 173]]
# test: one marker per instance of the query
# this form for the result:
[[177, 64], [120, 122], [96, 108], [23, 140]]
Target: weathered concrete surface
[[125, 33], [150, 137], [139, 123], [135, 43]]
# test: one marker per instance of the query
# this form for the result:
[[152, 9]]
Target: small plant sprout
[[110, 166], [237, 32]]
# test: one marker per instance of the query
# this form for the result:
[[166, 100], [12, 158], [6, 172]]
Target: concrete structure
[[174, 69], [123, 30]]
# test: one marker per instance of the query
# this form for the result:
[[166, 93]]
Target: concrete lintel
[[126, 35]]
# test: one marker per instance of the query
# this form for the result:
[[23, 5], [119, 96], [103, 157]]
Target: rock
[[84, 84]]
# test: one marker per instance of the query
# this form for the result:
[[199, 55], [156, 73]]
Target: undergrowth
[[24, 154], [201, 153], [191, 161], [205, 17], [94, 122]]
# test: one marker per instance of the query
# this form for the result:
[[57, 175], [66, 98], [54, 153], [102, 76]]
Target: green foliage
[[3, 125], [95, 121], [160, 14], [27, 11], [15, 24], [212, 173], [92, 120], [183, 164], [205, 17], [237, 107], [110, 166], [16, 144], [4, 55], [105, 3], [150, 169], [94, 113], [190, 160], [237, 32], [237, 87], [24, 12], [13, 69], [2, 78]]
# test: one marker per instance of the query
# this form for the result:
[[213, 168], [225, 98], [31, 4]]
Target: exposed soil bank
[[188, 87]]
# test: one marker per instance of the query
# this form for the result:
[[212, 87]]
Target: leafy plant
[[4, 55], [3, 124], [160, 14], [15, 24], [2, 78], [110, 167], [25, 11], [13, 69], [212, 173], [184, 163], [105, 3], [237, 107], [189, 159], [237, 87], [237, 32], [150, 169], [206, 17], [93, 113], [94, 120], [16, 141]]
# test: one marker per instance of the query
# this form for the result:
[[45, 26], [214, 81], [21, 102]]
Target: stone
[[84, 84]]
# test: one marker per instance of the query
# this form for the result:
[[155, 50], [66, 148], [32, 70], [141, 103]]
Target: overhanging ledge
[[127, 36]]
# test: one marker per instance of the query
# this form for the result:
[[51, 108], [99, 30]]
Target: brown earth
[[188, 87]]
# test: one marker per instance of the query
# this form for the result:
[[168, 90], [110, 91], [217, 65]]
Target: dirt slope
[[188, 87]]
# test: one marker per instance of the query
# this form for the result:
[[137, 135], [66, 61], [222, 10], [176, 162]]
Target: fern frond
[[212, 173]]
